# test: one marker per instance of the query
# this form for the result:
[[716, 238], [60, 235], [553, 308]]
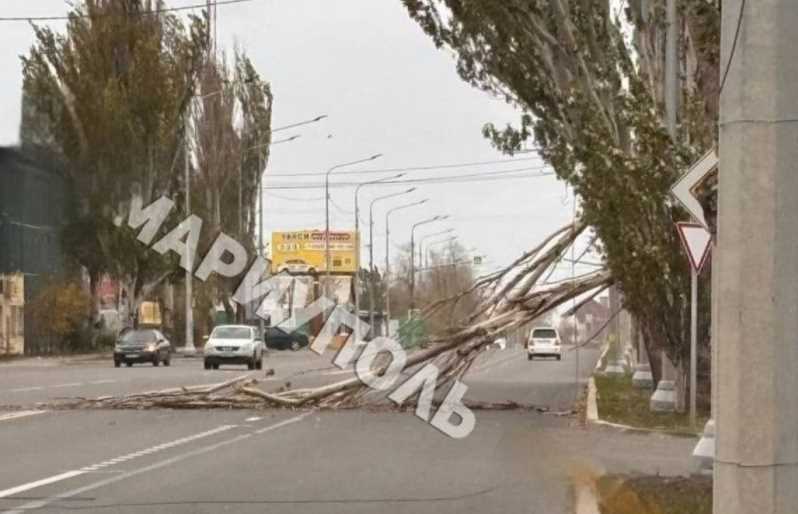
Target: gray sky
[[386, 89]]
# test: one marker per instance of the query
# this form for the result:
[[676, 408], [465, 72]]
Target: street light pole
[[421, 244], [436, 243], [327, 260], [371, 247], [413, 259], [189, 349], [357, 247], [388, 261]]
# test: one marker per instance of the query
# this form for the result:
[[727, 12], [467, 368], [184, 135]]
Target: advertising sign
[[303, 252]]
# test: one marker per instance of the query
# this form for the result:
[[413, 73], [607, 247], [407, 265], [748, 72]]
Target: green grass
[[655, 495], [620, 402]]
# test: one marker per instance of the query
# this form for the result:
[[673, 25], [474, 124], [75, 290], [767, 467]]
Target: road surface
[[306, 461]]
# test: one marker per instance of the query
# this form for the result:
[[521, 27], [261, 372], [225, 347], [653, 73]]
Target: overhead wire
[[448, 179], [140, 13], [404, 169]]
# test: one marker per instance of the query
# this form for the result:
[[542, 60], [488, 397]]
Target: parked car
[[297, 266], [234, 344], [279, 339], [544, 342], [143, 345]]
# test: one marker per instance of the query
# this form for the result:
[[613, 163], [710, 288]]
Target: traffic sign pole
[[693, 342]]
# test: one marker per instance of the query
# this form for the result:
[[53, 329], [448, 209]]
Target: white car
[[544, 341], [297, 266], [234, 344]]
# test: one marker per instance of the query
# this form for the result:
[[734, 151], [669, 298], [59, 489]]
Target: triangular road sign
[[696, 241]]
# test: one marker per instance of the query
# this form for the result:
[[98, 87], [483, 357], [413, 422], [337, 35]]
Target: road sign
[[696, 241], [683, 189]]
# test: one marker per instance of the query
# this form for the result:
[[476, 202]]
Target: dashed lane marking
[[20, 414]]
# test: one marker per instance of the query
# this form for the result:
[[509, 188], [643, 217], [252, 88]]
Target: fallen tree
[[510, 297]]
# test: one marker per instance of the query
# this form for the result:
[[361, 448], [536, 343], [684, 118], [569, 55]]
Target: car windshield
[[231, 333], [544, 333], [139, 336]]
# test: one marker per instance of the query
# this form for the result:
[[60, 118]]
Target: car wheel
[[207, 365], [117, 363], [529, 356], [168, 361], [251, 363], [156, 360], [295, 346], [259, 363], [215, 366], [128, 364], [559, 357]]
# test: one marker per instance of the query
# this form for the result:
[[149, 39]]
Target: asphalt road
[[307, 461]]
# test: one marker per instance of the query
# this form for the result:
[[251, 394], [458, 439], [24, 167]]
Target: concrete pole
[[756, 470], [189, 349], [387, 278], [260, 252]]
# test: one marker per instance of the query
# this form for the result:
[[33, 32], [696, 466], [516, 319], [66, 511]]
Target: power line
[[449, 179], [405, 169], [734, 46], [141, 13]]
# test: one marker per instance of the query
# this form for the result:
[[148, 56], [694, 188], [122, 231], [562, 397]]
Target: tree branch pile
[[510, 297]]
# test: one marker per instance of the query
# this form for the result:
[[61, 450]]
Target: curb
[[592, 417]]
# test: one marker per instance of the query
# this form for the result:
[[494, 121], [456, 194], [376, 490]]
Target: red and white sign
[[696, 241]]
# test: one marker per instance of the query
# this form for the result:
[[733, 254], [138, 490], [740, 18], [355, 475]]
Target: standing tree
[[114, 91], [592, 101]]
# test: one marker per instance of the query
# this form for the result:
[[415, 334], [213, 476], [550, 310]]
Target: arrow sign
[[683, 189], [696, 242]]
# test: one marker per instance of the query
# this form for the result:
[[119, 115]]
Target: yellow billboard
[[303, 252]]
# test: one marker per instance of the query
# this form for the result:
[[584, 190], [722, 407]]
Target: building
[[33, 207]]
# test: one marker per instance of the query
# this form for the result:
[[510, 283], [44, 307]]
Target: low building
[[33, 206]]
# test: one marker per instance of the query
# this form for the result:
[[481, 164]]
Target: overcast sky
[[386, 89]]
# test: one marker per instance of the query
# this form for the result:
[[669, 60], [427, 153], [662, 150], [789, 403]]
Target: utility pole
[[371, 248], [388, 260], [260, 252], [756, 468], [189, 349]]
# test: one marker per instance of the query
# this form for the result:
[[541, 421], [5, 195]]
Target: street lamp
[[327, 215], [371, 246], [388, 260], [413, 259], [357, 248], [436, 243], [424, 238]]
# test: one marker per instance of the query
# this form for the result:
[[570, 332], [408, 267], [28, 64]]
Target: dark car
[[146, 345], [279, 339]]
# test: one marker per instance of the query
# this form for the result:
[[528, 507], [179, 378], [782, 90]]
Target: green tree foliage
[[114, 91], [592, 101]]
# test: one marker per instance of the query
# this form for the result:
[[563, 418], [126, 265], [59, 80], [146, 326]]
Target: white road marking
[[20, 414], [44, 481], [22, 389], [95, 467], [71, 384], [95, 382], [167, 462], [254, 418]]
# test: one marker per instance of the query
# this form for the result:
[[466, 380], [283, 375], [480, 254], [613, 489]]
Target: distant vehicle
[[297, 266], [544, 342], [500, 343], [279, 339], [147, 345], [234, 344]]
